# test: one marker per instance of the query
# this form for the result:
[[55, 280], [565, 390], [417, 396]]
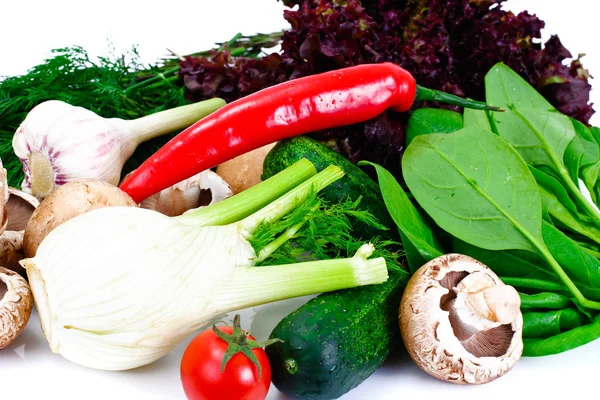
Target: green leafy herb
[[477, 188], [109, 87], [420, 243], [541, 135], [113, 86], [478, 118], [550, 323], [544, 300], [424, 121], [563, 341], [318, 230]]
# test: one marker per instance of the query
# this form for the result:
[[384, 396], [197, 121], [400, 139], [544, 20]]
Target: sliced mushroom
[[460, 322], [199, 190], [16, 302]]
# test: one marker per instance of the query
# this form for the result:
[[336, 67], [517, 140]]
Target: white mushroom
[[460, 322], [16, 302], [200, 190]]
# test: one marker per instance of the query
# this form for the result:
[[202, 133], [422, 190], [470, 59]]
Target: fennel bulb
[[119, 287]]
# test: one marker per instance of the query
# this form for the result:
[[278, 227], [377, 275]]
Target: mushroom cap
[[66, 202], [244, 171], [437, 337], [16, 302]]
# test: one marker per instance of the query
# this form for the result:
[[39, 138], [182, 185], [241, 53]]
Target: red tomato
[[201, 374]]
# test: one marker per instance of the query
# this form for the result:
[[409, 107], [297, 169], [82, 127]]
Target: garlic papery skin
[[58, 142]]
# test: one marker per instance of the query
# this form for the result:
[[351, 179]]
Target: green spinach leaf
[[550, 323], [546, 300], [476, 187], [541, 135], [582, 268], [557, 214], [477, 118], [508, 87], [424, 121], [510, 263], [411, 224], [563, 341]]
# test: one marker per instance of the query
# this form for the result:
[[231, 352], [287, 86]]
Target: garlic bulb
[[119, 287], [58, 142]]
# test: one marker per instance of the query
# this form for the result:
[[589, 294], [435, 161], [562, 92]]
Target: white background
[[29, 29]]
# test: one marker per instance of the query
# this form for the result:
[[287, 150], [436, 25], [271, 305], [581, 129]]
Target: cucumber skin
[[353, 184], [337, 340]]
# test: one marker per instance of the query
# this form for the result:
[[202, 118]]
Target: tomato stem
[[238, 342]]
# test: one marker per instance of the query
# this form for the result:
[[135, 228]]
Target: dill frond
[[326, 233], [101, 86]]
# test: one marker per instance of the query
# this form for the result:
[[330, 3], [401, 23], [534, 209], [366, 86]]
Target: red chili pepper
[[327, 100]]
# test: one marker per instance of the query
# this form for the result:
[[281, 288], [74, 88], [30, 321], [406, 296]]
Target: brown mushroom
[[16, 302], [3, 198], [460, 322], [17, 209], [66, 202], [244, 171]]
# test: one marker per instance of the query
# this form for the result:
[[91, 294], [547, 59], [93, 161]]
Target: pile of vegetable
[[458, 219]]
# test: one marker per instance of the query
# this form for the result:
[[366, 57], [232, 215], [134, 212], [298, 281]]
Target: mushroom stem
[[504, 302]]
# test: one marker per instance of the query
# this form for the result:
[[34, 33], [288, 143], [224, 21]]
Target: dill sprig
[[325, 232], [71, 76], [113, 86]]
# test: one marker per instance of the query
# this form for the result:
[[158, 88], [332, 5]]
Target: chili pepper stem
[[425, 94], [163, 122]]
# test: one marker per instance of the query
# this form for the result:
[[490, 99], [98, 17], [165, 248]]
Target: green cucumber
[[337, 340], [354, 184]]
